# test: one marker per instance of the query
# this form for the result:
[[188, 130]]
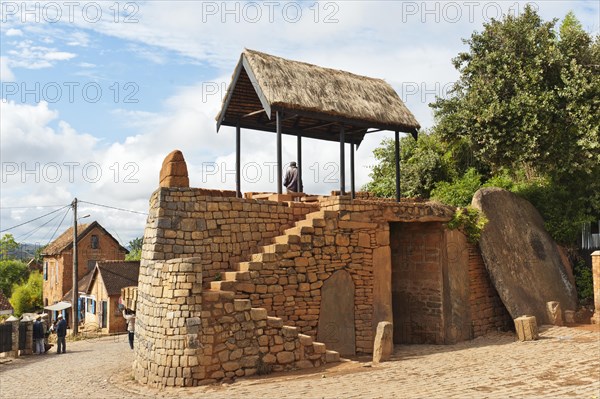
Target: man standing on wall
[[291, 178], [61, 333]]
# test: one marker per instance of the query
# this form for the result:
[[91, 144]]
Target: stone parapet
[[596, 282]]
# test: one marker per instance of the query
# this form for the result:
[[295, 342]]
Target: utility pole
[[75, 298]]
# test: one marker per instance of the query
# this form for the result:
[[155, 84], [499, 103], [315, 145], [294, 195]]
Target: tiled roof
[[65, 240], [81, 285], [117, 274]]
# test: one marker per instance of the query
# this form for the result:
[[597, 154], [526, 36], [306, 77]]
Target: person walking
[[129, 316], [38, 336], [291, 178], [61, 333]]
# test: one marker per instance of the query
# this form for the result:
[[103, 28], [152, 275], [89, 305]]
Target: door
[[103, 322], [336, 320]]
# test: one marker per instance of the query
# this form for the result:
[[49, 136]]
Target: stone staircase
[[284, 249], [285, 246]]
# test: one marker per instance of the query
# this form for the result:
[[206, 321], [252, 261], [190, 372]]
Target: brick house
[[102, 294], [94, 244]]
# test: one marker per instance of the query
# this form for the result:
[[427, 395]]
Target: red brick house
[[103, 292], [94, 244]]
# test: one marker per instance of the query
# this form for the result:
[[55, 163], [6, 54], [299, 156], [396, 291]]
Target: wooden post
[[279, 163], [238, 157], [397, 161], [75, 296], [299, 157], [352, 187], [342, 161]]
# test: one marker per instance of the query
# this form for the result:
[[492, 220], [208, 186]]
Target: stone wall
[[214, 226], [488, 313], [187, 337], [596, 283]]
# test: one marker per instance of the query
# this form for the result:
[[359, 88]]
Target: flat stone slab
[[522, 259]]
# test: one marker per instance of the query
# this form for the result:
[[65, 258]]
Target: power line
[[113, 207], [25, 236], [33, 220], [58, 227], [29, 207]]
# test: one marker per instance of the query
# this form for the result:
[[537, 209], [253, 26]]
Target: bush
[[12, 272], [584, 282], [460, 191], [470, 221], [28, 297]]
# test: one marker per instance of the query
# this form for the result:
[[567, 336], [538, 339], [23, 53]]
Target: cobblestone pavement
[[565, 362]]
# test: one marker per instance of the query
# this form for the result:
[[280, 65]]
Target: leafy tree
[[12, 272], [8, 245], [422, 164], [460, 191], [28, 297], [135, 249]]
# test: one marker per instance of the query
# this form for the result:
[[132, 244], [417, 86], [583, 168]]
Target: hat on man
[[60, 316], [293, 163]]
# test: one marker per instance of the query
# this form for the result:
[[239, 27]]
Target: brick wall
[[488, 313]]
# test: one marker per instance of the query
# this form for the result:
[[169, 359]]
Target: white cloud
[[6, 75], [14, 32], [27, 55]]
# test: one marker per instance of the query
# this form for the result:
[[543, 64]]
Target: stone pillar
[[596, 276], [15, 339], [168, 323]]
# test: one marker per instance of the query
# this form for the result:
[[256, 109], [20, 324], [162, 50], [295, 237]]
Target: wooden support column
[[352, 187], [342, 161], [299, 160], [238, 157], [397, 161], [279, 163]]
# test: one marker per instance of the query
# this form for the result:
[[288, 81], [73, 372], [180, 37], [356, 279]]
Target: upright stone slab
[[384, 344], [554, 313], [520, 256], [336, 320], [173, 172]]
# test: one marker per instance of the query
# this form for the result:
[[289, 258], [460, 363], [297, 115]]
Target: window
[[55, 272], [91, 306], [94, 242], [46, 270]]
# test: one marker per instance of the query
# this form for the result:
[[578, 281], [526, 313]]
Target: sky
[[94, 94]]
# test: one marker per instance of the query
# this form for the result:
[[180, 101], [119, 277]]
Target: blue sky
[[93, 99]]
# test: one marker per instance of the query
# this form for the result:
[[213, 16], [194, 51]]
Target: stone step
[[311, 223], [300, 230], [223, 285], [287, 239], [236, 276], [322, 215], [275, 248], [319, 347], [332, 356], [249, 266], [263, 257], [305, 340]]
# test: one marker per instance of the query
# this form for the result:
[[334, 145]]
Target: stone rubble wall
[[187, 337], [214, 226], [286, 278]]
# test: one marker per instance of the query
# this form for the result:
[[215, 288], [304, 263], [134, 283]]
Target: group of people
[[41, 333]]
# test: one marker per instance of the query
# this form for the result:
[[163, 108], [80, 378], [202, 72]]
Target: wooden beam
[[352, 188], [342, 161], [253, 113], [299, 160], [318, 125], [279, 163], [397, 161], [238, 158]]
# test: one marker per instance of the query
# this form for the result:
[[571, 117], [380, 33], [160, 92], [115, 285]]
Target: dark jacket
[[61, 328], [38, 330], [291, 179]]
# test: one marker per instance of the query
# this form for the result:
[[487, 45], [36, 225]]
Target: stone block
[[241, 304], [285, 357], [383, 345], [526, 328], [332, 356], [258, 314], [554, 313]]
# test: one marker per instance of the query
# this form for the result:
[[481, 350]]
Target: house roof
[[116, 274], [65, 240], [314, 100], [82, 285], [4, 303]]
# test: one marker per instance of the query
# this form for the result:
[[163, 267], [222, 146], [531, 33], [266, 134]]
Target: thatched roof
[[315, 100]]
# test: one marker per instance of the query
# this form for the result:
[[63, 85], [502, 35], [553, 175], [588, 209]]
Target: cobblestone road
[[565, 362]]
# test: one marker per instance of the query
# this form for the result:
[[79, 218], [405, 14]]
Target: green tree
[[8, 245], [422, 163], [135, 249], [28, 297], [12, 272]]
